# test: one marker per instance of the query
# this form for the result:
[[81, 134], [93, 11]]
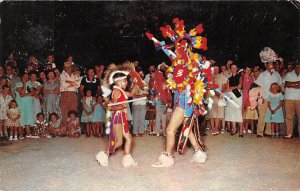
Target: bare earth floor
[[69, 164]]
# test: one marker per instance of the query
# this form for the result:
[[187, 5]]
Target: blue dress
[[52, 100], [99, 114], [26, 105], [89, 107], [274, 100]]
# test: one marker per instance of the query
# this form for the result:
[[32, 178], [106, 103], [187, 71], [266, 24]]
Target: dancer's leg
[[175, 121]]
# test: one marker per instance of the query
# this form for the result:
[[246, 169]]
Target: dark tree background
[[105, 32]]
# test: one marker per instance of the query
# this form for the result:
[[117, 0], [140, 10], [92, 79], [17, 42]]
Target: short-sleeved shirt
[[292, 93], [234, 80], [90, 85], [220, 79], [265, 80]]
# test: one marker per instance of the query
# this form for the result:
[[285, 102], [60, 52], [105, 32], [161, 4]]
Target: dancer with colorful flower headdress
[[190, 78]]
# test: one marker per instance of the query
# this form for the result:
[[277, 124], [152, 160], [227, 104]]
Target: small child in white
[[13, 120]]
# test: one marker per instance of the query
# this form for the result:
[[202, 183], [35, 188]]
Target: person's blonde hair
[[277, 85]]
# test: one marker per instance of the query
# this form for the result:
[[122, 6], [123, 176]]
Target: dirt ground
[[69, 164]]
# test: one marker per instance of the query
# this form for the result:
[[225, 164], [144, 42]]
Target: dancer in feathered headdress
[[190, 78], [117, 119]]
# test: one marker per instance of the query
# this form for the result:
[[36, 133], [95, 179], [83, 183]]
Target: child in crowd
[[40, 128], [55, 126], [274, 114], [5, 99], [13, 120], [98, 116], [87, 112], [250, 115], [151, 113], [161, 117], [73, 124]]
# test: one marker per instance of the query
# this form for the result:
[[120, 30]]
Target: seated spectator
[[40, 128], [73, 124], [56, 128]]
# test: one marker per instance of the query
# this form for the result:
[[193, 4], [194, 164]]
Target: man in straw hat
[[69, 84]]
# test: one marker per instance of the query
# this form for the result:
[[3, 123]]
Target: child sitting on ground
[[55, 126], [40, 126], [73, 124]]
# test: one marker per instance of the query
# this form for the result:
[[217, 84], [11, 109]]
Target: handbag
[[237, 93], [222, 102]]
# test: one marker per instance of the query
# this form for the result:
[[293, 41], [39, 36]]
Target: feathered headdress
[[268, 55], [125, 68]]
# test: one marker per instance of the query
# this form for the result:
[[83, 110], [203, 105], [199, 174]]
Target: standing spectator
[[161, 116], [255, 94], [42, 77], [12, 78], [5, 99], [90, 82], [234, 114], [24, 98], [50, 63], [228, 66], [99, 116], [99, 72], [69, 84], [265, 80], [217, 112], [139, 109], [224, 70], [13, 120], [149, 77], [151, 113], [248, 80], [38, 88], [88, 102], [274, 113], [51, 92], [57, 74], [292, 100]]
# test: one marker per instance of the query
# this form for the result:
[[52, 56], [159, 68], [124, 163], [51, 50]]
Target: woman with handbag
[[234, 114]]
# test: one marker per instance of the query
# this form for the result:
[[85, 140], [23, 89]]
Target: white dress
[[4, 102], [233, 113]]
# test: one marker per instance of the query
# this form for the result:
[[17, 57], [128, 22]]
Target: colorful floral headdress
[[190, 71]]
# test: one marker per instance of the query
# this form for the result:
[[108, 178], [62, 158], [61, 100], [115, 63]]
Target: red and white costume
[[118, 117]]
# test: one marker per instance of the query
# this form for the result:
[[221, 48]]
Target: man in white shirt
[[292, 100], [264, 80], [69, 84]]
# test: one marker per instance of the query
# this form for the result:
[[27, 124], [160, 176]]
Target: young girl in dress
[[118, 125], [5, 99], [73, 124], [98, 116], [251, 115], [87, 112], [274, 114], [40, 126], [151, 113], [13, 120], [55, 126]]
